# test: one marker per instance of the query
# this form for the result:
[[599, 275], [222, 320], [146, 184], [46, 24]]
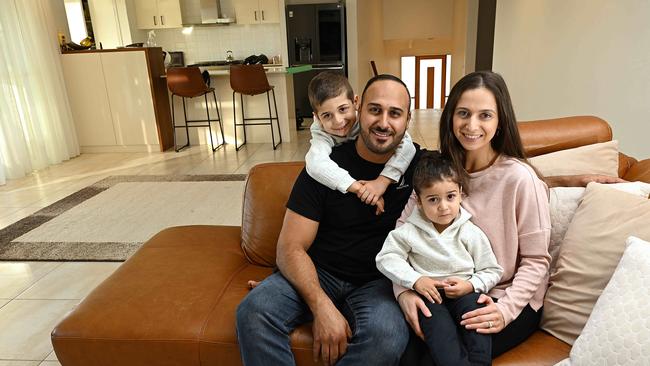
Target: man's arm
[[580, 180], [331, 330]]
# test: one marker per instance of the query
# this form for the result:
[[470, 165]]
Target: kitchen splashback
[[211, 43]]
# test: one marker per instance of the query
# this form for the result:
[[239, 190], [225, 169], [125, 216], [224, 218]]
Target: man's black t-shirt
[[349, 234]]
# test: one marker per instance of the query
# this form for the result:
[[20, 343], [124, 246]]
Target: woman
[[508, 201]]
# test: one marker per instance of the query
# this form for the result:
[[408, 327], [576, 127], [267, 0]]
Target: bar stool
[[251, 80], [187, 82]]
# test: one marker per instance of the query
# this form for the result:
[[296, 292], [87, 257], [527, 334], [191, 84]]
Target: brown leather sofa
[[174, 301]]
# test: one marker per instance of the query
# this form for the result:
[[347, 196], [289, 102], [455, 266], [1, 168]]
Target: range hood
[[204, 12]]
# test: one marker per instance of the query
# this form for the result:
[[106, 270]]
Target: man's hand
[[410, 302], [456, 287], [426, 287], [331, 333]]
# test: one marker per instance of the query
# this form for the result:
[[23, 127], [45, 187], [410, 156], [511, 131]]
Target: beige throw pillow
[[601, 158], [618, 330], [590, 251]]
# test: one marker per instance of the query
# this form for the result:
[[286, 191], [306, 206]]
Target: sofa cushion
[[539, 349], [564, 202], [618, 329], [589, 254], [601, 158], [154, 308], [219, 342]]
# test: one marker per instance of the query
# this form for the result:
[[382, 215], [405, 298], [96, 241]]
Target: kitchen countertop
[[225, 70]]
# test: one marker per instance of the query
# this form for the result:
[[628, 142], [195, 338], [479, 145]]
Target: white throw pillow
[[618, 329], [563, 204]]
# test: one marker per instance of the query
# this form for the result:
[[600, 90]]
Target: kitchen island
[[118, 100], [256, 107]]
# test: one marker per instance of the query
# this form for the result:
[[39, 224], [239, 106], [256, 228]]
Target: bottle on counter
[[151, 39]]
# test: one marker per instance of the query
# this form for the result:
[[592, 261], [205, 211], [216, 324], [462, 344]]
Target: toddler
[[447, 259]]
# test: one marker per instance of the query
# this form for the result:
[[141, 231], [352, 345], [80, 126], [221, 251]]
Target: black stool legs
[[270, 119], [208, 125]]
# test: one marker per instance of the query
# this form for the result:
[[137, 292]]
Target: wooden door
[[425, 78]]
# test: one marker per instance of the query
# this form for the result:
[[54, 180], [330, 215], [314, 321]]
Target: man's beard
[[380, 149]]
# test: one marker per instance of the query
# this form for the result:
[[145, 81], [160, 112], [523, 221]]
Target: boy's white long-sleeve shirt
[[416, 249], [320, 167]]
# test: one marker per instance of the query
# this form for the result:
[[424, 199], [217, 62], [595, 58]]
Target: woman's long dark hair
[[506, 141]]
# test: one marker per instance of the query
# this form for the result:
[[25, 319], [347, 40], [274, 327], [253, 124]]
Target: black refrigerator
[[315, 36]]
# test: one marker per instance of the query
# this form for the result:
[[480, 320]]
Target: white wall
[[417, 19], [579, 57]]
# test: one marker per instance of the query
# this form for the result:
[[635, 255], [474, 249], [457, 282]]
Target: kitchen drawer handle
[[154, 20], [262, 14], [162, 19], [255, 15]]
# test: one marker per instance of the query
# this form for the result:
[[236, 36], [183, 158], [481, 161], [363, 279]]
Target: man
[[326, 255]]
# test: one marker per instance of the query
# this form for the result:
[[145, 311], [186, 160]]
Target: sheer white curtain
[[36, 126]]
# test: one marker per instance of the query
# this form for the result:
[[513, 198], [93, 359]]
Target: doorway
[[427, 78]]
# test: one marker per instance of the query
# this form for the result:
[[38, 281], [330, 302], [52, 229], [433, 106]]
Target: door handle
[[262, 14], [162, 20], [255, 15], [154, 20]]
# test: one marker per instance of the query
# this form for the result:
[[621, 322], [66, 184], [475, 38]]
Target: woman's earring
[[498, 132]]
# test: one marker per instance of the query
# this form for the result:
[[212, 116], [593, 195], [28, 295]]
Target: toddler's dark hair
[[327, 85], [435, 167]]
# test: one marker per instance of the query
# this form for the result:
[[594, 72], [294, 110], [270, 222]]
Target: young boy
[[335, 121], [438, 247]]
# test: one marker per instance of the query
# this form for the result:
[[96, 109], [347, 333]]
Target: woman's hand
[[410, 302], [485, 320]]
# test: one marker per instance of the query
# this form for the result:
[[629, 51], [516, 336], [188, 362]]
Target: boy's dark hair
[[328, 85], [435, 167]]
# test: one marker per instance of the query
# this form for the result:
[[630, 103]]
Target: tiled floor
[[34, 296]]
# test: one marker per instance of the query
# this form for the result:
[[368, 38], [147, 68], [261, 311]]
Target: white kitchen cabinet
[[129, 92], [257, 11], [157, 14], [91, 111]]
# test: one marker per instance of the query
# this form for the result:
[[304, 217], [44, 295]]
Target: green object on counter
[[297, 69]]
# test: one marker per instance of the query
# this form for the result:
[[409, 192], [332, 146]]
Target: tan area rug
[[110, 220]]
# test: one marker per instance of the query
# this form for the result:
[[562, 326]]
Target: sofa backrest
[[266, 193], [550, 135], [268, 185]]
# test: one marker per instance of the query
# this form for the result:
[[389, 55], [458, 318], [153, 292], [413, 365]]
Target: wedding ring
[[489, 324]]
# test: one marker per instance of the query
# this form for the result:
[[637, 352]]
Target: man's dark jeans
[[273, 309]]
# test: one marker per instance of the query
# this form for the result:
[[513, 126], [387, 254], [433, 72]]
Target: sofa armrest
[[638, 171]]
